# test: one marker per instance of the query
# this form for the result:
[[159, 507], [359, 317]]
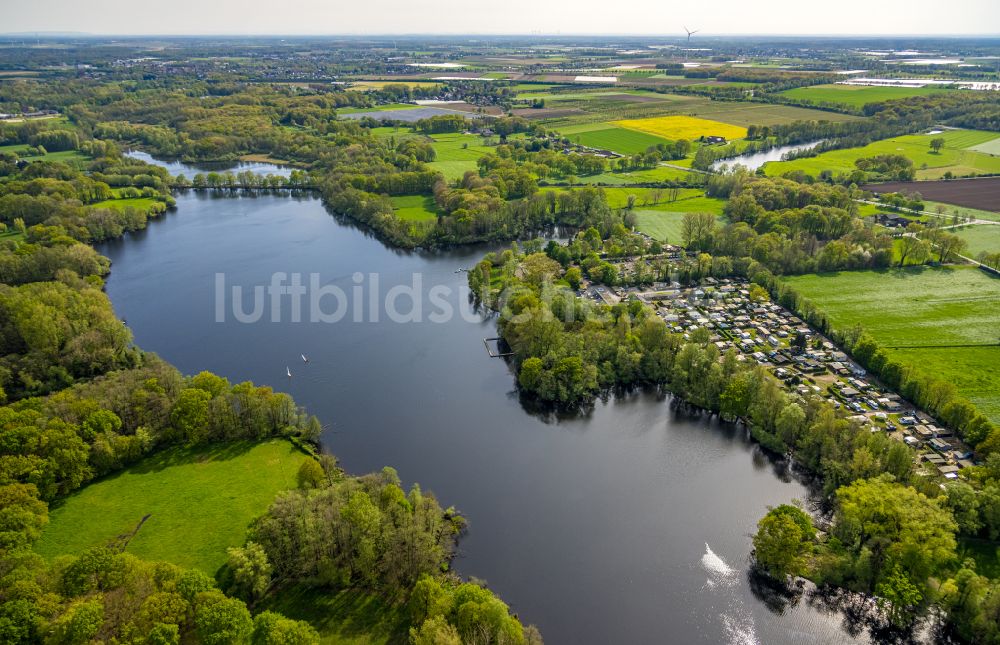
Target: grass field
[[611, 137], [689, 200], [142, 203], [856, 95], [954, 157], [414, 208], [65, 156], [378, 108], [980, 237], [991, 147], [660, 173], [941, 320], [659, 225], [378, 85], [11, 234], [662, 220], [457, 153], [345, 617], [684, 127], [199, 503], [962, 211]]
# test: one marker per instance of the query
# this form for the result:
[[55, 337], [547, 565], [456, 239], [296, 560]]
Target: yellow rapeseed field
[[683, 127]]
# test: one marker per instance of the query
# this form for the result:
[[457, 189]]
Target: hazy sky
[[662, 17]]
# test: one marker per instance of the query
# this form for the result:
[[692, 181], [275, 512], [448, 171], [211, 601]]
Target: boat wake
[[737, 620]]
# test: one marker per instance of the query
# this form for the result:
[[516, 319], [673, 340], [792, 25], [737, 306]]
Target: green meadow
[[457, 153], [963, 211], [65, 156], [611, 137], [689, 200], [980, 238], [142, 203], [943, 320], [856, 96], [199, 502], [955, 157], [414, 208]]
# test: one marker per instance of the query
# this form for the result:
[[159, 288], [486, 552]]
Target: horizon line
[[53, 33]]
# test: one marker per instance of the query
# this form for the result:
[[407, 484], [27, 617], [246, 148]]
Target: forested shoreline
[[82, 402]]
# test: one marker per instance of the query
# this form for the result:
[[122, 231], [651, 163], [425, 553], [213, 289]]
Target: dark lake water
[[630, 524]]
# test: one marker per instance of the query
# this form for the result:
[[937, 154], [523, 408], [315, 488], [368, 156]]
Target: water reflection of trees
[[859, 613]]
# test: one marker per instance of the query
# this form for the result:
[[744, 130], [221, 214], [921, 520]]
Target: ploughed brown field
[[983, 194], [546, 113]]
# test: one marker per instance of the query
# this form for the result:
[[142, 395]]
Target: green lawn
[[457, 153], [954, 157], [659, 225], [611, 137], [963, 211], [143, 203], [12, 234], [689, 200], [414, 208], [943, 320], [856, 95], [658, 174], [346, 617], [65, 156], [199, 502], [981, 237], [991, 147]]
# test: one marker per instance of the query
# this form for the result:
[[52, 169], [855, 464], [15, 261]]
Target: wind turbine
[[690, 33]]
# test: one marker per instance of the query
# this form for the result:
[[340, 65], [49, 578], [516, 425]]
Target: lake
[[754, 160], [190, 170], [629, 524]]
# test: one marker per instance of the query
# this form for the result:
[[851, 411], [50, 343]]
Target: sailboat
[[288, 371], [305, 359]]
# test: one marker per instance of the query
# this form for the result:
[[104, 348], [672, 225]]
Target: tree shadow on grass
[[176, 456], [184, 455], [343, 613]]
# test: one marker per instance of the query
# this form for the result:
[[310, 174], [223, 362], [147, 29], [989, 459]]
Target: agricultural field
[[988, 147], [199, 502], [746, 114], [414, 208], [408, 113], [856, 96], [608, 136], [684, 127], [955, 157], [378, 85], [378, 108], [979, 195], [980, 237], [943, 320]]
